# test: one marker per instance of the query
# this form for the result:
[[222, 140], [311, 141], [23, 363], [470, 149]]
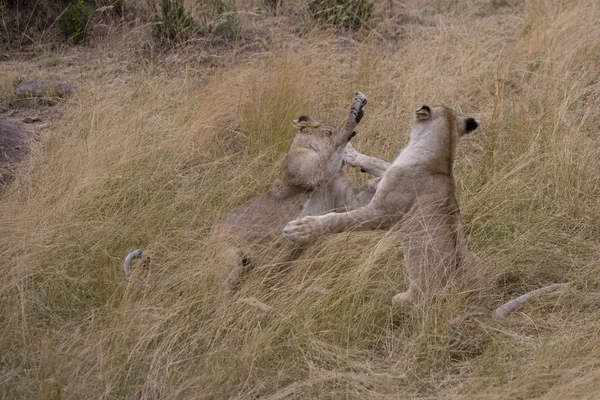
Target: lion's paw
[[402, 301], [360, 99], [301, 231]]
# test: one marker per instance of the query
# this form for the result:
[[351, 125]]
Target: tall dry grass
[[155, 162]]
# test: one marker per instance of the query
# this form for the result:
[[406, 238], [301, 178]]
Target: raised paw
[[301, 231], [360, 98], [359, 101]]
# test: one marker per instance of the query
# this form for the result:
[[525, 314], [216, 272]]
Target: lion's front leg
[[342, 137], [304, 230], [368, 164], [356, 114]]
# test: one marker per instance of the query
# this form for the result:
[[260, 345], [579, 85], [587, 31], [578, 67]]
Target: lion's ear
[[466, 125], [305, 122], [423, 113], [471, 124]]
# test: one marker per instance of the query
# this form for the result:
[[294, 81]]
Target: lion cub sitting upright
[[416, 197], [311, 182]]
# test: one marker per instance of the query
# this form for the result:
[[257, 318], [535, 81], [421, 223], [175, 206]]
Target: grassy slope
[[154, 159]]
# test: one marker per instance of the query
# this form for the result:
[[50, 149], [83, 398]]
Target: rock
[[15, 144], [14, 141], [43, 88], [32, 120]]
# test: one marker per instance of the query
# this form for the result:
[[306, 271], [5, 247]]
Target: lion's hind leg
[[404, 300], [234, 265]]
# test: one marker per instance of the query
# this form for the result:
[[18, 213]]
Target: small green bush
[[220, 18], [350, 14], [3, 9], [4, 20], [75, 21], [117, 5], [272, 4], [172, 21]]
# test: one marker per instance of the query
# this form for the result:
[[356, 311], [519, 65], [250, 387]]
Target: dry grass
[[154, 161]]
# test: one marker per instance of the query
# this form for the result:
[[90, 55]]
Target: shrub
[[220, 18], [272, 5], [117, 5], [75, 21], [4, 19], [351, 14], [172, 21]]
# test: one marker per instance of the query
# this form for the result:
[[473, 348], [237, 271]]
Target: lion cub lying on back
[[311, 182], [416, 197]]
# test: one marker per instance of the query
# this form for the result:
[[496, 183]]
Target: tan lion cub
[[311, 182], [417, 198]]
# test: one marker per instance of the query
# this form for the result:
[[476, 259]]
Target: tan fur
[[417, 198], [311, 182]]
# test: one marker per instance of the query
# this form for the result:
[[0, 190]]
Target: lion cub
[[311, 182], [417, 198]]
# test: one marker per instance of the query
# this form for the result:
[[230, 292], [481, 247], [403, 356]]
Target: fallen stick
[[508, 308]]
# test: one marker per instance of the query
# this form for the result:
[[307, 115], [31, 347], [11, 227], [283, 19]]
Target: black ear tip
[[426, 108], [471, 124], [303, 118]]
